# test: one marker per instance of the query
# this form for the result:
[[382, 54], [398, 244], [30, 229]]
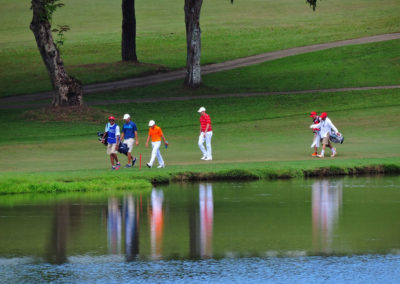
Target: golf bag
[[122, 147], [335, 138], [100, 135]]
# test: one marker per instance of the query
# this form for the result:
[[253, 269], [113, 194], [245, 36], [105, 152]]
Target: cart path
[[220, 96], [206, 69]]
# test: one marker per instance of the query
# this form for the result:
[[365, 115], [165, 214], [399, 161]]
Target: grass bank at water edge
[[102, 181]]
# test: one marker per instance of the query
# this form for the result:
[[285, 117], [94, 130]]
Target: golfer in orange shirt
[[156, 134]]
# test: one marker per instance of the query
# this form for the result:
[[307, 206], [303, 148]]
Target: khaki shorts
[[130, 142], [111, 149], [325, 140]]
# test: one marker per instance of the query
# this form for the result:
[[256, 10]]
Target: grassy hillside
[[92, 48], [262, 129]]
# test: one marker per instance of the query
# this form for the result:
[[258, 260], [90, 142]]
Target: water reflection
[[132, 215], [114, 226], [201, 220], [156, 215], [63, 227], [326, 205], [205, 220]]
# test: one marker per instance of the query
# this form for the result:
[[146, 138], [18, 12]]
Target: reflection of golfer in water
[[326, 204], [131, 214], [206, 219], [156, 223], [114, 226]]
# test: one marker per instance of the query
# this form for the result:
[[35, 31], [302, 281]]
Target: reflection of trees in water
[[63, 226], [67, 220], [326, 205], [121, 217], [201, 222]]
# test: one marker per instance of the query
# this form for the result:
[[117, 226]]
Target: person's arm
[[163, 138], [136, 138], [208, 120], [104, 134], [123, 133], [207, 126], [147, 142], [117, 134], [333, 127], [315, 125]]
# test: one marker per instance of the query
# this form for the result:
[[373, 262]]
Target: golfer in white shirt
[[326, 127]]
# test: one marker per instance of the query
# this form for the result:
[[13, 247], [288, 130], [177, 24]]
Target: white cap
[[201, 109], [126, 116], [152, 122]]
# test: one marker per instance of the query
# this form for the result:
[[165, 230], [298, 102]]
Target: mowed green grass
[[366, 65], [259, 129], [229, 31]]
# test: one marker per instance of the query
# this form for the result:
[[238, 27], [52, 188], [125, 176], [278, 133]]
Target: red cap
[[313, 113], [323, 115], [111, 118]]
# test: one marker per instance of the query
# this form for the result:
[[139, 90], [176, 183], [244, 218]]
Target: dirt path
[[207, 69], [187, 98]]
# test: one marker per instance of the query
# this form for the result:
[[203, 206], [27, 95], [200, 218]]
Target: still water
[[294, 231]]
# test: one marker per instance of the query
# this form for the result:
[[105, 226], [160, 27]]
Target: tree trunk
[[67, 90], [128, 44], [193, 43]]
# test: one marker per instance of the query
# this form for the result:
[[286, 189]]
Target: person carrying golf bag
[[112, 132], [326, 127]]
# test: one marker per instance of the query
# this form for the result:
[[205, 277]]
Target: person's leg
[[324, 143], [316, 143], [129, 142], [201, 146], [333, 149], [160, 158], [155, 146], [110, 153], [115, 155], [208, 144]]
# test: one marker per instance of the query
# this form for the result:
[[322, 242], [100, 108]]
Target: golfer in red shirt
[[205, 134]]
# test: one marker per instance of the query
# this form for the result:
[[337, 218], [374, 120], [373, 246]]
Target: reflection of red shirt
[[204, 120]]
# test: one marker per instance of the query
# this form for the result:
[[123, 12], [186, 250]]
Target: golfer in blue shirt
[[130, 136]]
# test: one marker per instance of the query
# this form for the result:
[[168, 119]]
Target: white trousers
[[316, 141], [156, 153], [206, 152]]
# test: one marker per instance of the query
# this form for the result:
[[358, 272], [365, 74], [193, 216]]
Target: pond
[[285, 231]]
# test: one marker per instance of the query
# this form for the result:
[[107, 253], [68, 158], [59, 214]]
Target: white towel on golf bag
[[316, 142]]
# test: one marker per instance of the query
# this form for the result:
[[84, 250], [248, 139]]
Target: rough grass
[[66, 114], [228, 31], [69, 184]]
